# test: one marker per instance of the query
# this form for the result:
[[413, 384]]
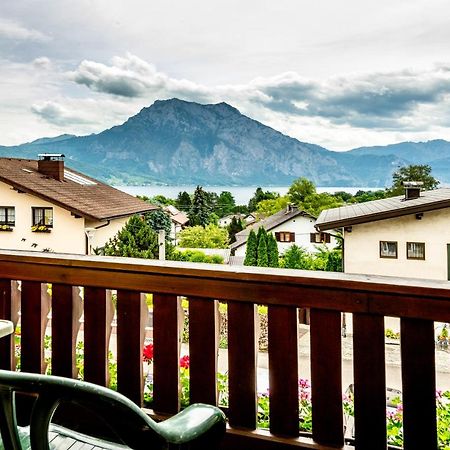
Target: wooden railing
[[417, 303]]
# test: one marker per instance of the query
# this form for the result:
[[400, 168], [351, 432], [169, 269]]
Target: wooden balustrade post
[[9, 310], [326, 377], [66, 313], [418, 384], [283, 370], [242, 359], [203, 349], [369, 382], [166, 339], [132, 316], [35, 306], [98, 314]]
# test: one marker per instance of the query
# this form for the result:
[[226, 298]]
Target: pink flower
[[147, 353], [184, 362]]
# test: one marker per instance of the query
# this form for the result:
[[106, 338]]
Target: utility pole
[[162, 244]]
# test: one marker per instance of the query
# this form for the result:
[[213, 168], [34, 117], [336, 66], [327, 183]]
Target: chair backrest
[[132, 426]]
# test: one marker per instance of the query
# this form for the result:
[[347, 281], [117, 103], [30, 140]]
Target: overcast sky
[[338, 74]]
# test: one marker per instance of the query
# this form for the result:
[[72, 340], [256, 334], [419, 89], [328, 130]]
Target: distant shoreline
[[241, 194]]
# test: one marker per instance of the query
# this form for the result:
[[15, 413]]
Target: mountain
[[179, 142], [435, 153]]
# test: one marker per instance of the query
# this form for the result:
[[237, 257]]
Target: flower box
[[40, 229], [6, 228]]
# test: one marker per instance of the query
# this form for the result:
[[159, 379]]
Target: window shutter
[[312, 237], [326, 238], [277, 236], [291, 237]]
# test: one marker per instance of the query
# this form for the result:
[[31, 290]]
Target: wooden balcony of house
[[417, 303]]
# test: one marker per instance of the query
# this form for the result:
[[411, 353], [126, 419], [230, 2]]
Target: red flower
[[184, 362], [148, 353]]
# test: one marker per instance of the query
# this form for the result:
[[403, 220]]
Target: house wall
[[100, 236], [361, 254], [66, 236], [302, 227]]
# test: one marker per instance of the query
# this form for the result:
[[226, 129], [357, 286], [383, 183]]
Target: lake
[[241, 194]]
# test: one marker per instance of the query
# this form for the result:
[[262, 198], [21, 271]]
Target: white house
[[289, 226], [407, 236], [246, 219], [45, 206], [179, 221]]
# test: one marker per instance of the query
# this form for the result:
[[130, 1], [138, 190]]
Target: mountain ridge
[[179, 142]]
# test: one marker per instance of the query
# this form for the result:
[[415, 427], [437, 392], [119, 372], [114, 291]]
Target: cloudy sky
[[338, 74]]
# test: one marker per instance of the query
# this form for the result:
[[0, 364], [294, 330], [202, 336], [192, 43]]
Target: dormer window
[[7, 215], [42, 216]]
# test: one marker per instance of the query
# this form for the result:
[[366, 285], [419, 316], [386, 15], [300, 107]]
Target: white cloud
[[13, 30], [42, 62]]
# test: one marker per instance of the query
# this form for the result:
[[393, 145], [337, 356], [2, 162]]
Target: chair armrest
[[191, 423]]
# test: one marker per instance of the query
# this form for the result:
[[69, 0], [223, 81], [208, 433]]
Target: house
[[289, 226], [406, 236], [46, 206], [245, 219], [179, 221]]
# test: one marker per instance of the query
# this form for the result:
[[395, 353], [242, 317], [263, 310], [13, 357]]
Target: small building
[[225, 221], [46, 206], [405, 236], [289, 226], [179, 221]]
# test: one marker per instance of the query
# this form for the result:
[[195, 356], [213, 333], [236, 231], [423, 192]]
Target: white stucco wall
[[361, 254], [302, 227], [101, 235], [66, 236]]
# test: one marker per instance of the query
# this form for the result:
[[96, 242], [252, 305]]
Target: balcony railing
[[417, 303]]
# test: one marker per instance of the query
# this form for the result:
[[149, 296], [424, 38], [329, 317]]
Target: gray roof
[[269, 223], [387, 208]]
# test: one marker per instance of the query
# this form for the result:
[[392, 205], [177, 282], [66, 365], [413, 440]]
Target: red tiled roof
[[78, 193]]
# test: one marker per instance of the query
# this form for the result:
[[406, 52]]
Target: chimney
[[412, 189], [51, 165]]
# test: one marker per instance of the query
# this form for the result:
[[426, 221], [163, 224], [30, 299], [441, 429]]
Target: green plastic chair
[[199, 426]]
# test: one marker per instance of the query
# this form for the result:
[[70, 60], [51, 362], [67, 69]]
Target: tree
[[183, 201], [296, 258], [272, 251], [136, 239], [272, 206], [210, 236], [159, 220], [420, 172], [263, 260], [300, 189], [234, 227], [314, 204], [258, 196], [251, 253], [199, 211], [225, 204]]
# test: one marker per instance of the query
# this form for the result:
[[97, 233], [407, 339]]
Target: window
[[7, 215], [319, 238], [388, 249], [415, 250], [42, 216], [285, 236]]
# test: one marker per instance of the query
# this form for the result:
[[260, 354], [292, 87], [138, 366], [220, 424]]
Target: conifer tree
[[234, 227], [263, 260], [251, 253], [136, 239], [183, 201], [272, 251], [199, 212]]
